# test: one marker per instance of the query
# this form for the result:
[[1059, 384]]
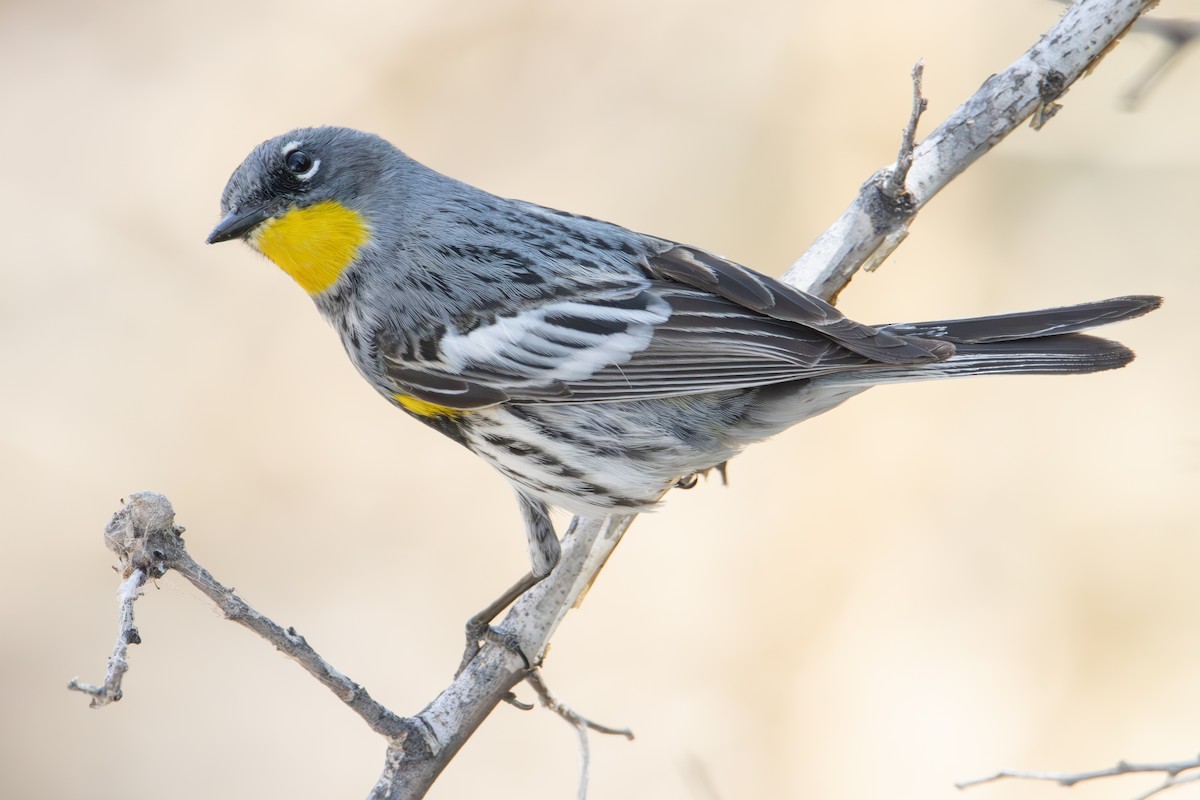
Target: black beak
[[238, 223]]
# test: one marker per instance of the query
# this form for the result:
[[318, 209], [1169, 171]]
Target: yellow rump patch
[[314, 244], [425, 409]]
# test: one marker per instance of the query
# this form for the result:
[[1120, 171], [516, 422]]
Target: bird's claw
[[479, 633]]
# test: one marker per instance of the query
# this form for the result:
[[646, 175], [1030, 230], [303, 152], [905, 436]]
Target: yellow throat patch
[[314, 244]]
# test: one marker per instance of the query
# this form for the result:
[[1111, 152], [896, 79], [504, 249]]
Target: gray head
[[301, 168]]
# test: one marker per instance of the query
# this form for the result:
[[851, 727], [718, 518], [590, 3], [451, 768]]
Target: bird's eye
[[298, 162]]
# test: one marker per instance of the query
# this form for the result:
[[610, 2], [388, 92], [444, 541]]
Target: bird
[[594, 367]]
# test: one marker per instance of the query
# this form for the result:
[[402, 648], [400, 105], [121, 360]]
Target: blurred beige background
[[924, 586]]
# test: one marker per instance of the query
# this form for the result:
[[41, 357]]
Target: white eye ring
[[308, 173]]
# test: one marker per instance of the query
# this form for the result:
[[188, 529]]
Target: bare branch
[[1032, 83], [893, 187], [148, 543], [291, 644], [1178, 33], [139, 534], [1174, 772], [118, 665], [455, 714], [580, 723], [551, 702]]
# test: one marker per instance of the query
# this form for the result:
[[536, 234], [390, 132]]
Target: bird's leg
[[478, 626], [544, 551]]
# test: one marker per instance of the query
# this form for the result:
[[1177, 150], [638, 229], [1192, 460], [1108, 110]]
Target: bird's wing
[[534, 354], [756, 292], [696, 324]]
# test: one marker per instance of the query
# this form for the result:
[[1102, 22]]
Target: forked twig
[[580, 723]]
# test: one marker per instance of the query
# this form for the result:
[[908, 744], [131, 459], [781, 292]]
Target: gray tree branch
[[1028, 89]]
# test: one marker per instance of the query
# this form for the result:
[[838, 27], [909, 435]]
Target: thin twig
[[580, 723], [118, 665], [1172, 770], [148, 543], [292, 644], [1170, 783], [894, 187], [551, 702], [140, 534]]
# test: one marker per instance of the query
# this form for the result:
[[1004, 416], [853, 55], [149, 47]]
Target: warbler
[[593, 366]]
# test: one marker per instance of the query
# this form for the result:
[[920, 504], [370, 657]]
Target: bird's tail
[[1046, 342]]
